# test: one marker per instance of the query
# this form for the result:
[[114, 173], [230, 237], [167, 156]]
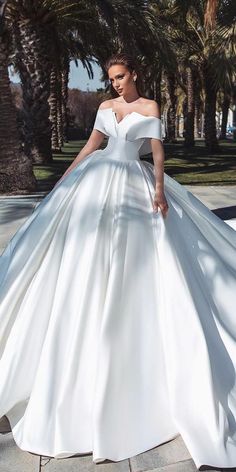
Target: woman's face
[[121, 79]]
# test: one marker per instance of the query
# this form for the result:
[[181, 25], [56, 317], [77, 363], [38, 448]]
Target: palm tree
[[199, 107], [32, 26], [16, 172], [189, 126], [210, 14], [211, 51], [166, 60], [171, 86], [225, 104], [67, 48], [38, 27], [55, 109], [146, 39], [64, 94]]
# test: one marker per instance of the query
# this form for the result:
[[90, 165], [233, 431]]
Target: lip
[[119, 90]]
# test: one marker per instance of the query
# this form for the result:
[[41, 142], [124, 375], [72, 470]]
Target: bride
[[117, 303]]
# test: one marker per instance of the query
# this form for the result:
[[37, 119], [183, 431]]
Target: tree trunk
[[225, 112], [53, 104], [57, 102], [177, 125], [171, 110], [59, 112], [16, 170], [34, 68], [197, 116], [157, 86], [210, 13], [210, 113], [189, 124], [60, 122], [64, 93]]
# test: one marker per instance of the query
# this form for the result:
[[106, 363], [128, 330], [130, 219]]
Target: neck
[[130, 97]]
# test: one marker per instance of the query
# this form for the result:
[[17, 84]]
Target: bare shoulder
[[105, 104], [152, 108]]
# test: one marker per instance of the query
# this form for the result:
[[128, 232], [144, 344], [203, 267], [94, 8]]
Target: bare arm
[[94, 142], [158, 158]]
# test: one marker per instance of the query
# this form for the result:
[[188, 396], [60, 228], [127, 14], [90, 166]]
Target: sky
[[78, 77]]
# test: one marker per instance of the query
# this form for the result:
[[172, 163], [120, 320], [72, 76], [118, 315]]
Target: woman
[[117, 319], [123, 80]]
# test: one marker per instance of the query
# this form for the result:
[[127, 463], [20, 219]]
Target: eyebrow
[[117, 75]]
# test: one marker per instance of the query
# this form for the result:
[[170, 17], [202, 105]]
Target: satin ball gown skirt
[[118, 326]]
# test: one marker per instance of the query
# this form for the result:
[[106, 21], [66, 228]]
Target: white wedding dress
[[118, 326]]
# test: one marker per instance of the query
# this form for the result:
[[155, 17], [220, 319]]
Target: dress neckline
[[128, 114]]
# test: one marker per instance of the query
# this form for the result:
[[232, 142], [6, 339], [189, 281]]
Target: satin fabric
[[118, 326]]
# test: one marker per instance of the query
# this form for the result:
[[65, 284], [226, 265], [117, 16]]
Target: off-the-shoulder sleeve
[[99, 122], [154, 129], [151, 128], [147, 127]]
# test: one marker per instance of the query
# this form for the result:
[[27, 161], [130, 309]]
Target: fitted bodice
[[130, 138]]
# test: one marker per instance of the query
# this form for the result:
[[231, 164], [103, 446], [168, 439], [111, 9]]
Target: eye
[[119, 77]]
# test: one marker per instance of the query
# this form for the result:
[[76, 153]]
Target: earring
[[134, 79]]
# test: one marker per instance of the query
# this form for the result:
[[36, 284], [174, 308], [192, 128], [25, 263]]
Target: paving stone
[[229, 191], [185, 466], [168, 453], [14, 211], [8, 231], [82, 464], [13, 459], [214, 196], [214, 201]]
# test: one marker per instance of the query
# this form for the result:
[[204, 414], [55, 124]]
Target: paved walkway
[[172, 456]]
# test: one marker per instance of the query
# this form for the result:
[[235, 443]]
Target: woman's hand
[[160, 202]]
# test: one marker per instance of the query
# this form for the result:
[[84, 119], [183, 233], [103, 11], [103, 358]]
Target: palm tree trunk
[[171, 107], [59, 121], [34, 68], [210, 14], [53, 104], [177, 125], [157, 86], [210, 113], [189, 125], [197, 115], [64, 94], [225, 112], [16, 170], [56, 108]]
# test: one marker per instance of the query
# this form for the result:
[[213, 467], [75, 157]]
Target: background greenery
[[187, 53]]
